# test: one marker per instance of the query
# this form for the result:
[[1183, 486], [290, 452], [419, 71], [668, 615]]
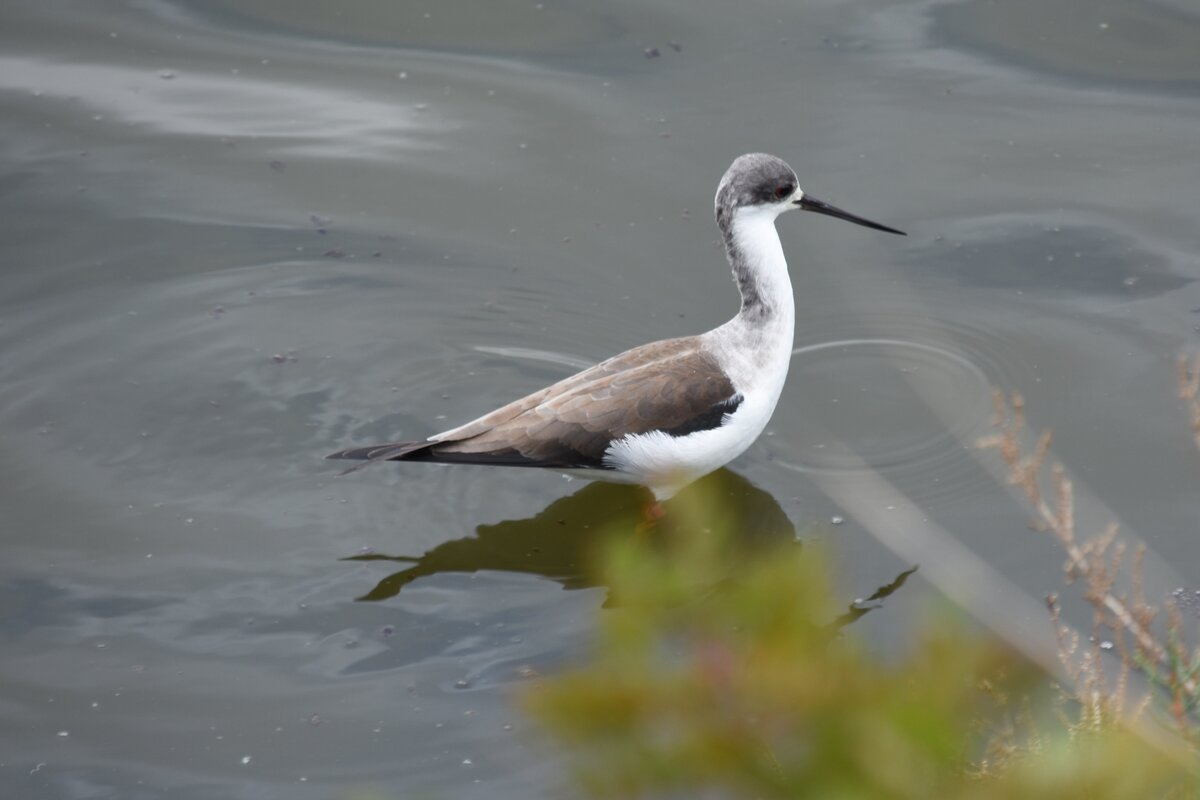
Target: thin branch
[[1097, 561]]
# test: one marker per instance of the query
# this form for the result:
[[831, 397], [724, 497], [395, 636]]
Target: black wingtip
[[376, 452], [341, 455], [371, 452]]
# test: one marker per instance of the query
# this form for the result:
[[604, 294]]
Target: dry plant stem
[[1099, 704], [1188, 380], [1092, 560]]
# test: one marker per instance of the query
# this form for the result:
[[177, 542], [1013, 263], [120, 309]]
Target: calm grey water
[[236, 236]]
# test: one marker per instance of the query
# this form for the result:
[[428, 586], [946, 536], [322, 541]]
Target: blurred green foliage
[[723, 670]]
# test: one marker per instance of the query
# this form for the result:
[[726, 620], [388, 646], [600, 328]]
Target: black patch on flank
[[549, 454], [563, 458], [713, 417]]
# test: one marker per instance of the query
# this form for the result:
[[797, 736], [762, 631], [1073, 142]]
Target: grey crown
[[751, 180]]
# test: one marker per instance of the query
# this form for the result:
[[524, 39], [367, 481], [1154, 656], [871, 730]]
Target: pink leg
[[652, 512]]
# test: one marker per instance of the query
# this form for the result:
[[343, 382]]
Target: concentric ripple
[[886, 404]]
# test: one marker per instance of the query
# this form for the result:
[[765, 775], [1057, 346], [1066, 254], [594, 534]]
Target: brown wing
[[671, 386]]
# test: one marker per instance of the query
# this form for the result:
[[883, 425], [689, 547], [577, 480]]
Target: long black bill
[[810, 203]]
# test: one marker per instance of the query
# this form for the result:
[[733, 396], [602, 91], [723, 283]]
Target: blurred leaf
[[724, 670]]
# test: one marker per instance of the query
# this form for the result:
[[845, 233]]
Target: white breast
[[754, 350], [757, 362]]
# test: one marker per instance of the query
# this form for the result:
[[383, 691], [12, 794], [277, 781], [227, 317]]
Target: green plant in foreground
[[721, 672]]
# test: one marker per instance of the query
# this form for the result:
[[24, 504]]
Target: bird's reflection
[[561, 541]]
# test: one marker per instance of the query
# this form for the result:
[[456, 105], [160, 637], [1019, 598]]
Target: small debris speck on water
[[1187, 600]]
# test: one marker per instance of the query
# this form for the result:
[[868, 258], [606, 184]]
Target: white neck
[[755, 347], [760, 269]]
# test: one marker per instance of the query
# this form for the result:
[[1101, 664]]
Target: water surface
[[237, 236]]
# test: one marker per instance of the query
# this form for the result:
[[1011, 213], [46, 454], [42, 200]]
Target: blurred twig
[[1188, 381], [1096, 563]]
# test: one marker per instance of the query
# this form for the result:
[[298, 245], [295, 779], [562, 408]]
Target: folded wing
[[673, 386]]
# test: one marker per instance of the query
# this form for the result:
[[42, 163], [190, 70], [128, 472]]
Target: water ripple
[[903, 407], [303, 118]]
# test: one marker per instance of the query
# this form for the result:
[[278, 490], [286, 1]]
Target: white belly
[[667, 463]]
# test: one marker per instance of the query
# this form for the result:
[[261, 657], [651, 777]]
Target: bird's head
[[757, 182]]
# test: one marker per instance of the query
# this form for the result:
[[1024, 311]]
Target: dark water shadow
[[1150, 46], [860, 608], [561, 541]]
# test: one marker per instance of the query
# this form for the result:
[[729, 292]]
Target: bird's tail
[[378, 452]]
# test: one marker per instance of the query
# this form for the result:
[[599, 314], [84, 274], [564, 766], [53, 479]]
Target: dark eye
[[783, 191]]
